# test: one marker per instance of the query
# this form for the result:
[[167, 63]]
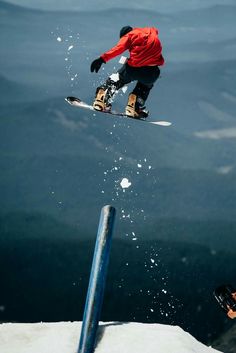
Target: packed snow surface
[[113, 337]]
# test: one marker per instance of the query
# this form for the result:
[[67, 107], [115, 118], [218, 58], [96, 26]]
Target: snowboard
[[76, 102]]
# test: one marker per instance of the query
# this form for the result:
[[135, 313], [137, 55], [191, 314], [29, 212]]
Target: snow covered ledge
[[113, 337]]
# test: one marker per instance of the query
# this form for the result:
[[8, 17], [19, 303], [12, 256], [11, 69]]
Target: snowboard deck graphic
[[76, 102]]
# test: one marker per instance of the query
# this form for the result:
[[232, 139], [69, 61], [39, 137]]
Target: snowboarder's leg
[[135, 105], [106, 92], [145, 76]]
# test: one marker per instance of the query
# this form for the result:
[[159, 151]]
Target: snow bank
[[114, 337]]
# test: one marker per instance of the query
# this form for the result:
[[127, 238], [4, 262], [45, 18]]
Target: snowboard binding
[[135, 108], [104, 96], [101, 102]]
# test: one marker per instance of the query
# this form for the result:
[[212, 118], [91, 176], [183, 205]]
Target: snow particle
[[114, 77], [125, 183]]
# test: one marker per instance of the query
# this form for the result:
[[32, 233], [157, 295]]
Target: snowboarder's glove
[[96, 64]]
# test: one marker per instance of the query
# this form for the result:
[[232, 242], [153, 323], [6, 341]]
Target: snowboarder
[[226, 297], [232, 313], [142, 66]]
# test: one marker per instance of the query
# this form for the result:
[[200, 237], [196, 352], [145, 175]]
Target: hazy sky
[[158, 5]]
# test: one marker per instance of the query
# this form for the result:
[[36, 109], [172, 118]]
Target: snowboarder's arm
[[122, 45]]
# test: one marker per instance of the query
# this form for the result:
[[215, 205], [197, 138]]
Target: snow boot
[[135, 108], [100, 102]]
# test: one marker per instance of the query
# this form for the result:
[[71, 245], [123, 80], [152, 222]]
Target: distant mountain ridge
[[212, 10], [7, 8], [163, 6], [15, 92]]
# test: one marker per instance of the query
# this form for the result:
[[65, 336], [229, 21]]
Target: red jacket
[[144, 47]]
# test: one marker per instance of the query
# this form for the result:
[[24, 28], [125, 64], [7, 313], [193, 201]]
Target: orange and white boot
[[134, 108], [100, 100]]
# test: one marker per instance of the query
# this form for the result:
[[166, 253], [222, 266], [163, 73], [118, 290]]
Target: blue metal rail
[[97, 281]]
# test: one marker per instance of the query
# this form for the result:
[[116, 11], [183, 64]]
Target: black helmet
[[124, 30]]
